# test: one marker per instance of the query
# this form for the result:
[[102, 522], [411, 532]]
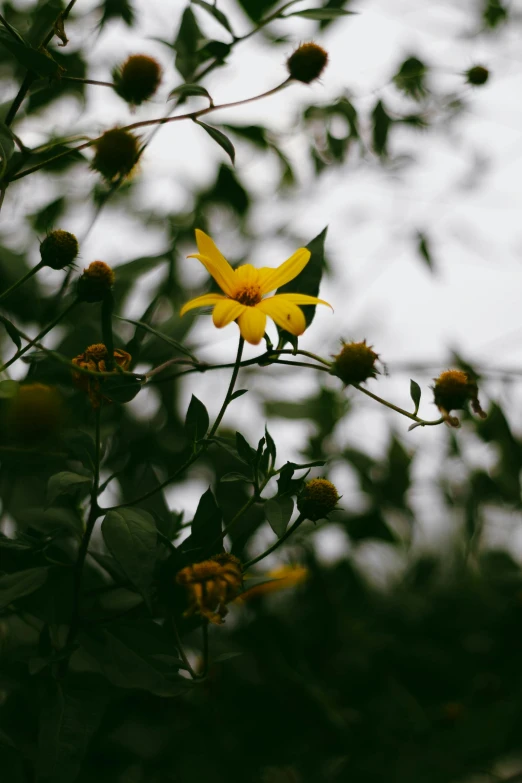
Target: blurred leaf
[[45, 218], [187, 44], [369, 525], [220, 138], [36, 61], [415, 393], [256, 9], [186, 90], [197, 420], [218, 15], [226, 190], [117, 9], [6, 146], [381, 121], [21, 583], [64, 483], [320, 14], [278, 512], [131, 537], [424, 249], [411, 78], [494, 13], [231, 477], [307, 282], [121, 388], [245, 451]]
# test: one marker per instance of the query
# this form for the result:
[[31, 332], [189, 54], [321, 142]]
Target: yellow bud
[[95, 282]]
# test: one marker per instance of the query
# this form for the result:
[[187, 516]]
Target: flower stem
[[393, 407], [300, 519], [94, 513], [22, 280], [230, 390], [39, 336]]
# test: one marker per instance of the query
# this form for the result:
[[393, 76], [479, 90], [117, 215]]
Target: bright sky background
[[380, 289]]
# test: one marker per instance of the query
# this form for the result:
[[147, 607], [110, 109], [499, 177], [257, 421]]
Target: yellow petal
[[246, 275], [252, 325], [226, 311], [201, 301], [286, 315], [214, 262], [273, 278], [303, 299]]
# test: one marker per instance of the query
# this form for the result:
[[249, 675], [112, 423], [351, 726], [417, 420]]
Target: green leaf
[[38, 62], [187, 44], [8, 389], [80, 446], [238, 393], [64, 483], [21, 583], [197, 420], [381, 125], [230, 477], [415, 393], [278, 512], [245, 451], [218, 15], [12, 331], [220, 138], [186, 90], [320, 14], [121, 388], [307, 282], [6, 147], [411, 77], [256, 9], [127, 655], [206, 527], [423, 247], [131, 537]]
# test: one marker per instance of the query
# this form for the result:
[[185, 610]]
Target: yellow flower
[[280, 578], [244, 289], [210, 585], [94, 359]]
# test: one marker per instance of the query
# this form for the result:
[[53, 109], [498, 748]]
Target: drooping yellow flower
[[244, 289]]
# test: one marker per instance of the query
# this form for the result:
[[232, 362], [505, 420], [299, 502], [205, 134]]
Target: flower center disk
[[248, 295]]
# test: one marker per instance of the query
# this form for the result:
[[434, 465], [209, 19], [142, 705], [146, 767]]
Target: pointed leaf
[[64, 483], [12, 331], [415, 393], [206, 527], [278, 512], [197, 420], [186, 90], [21, 583], [131, 537], [220, 138], [218, 15]]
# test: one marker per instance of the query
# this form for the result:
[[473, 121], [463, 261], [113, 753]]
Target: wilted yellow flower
[[453, 390], [281, 578], [317, 499], [210, 585], [244, 289], [96, 280], [94, 359]]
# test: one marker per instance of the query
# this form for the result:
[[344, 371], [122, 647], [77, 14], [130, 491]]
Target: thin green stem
[[35, 341], [94, 513], [106, 325], [254, 498], [300, 519], [22, 280], [393, 407], [10, 29], [181, 649], [86, 81], [157, 122], [230, 389]]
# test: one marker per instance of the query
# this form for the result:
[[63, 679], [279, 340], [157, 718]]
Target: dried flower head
[[355, 363], [210, 585], [95, 360], [477, 76], [59, 249], [307, 63], [95, 282], [453, 390], [137, 79], [35, 412], [317, 499], [116, 154]]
